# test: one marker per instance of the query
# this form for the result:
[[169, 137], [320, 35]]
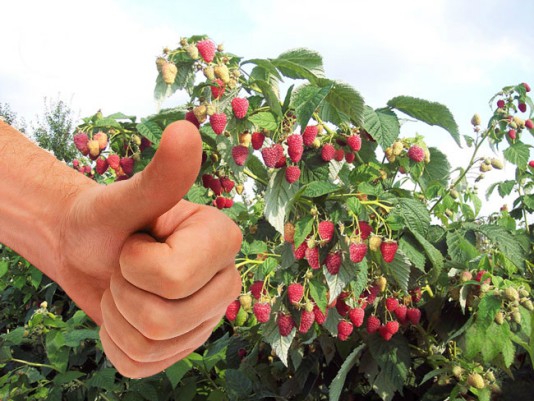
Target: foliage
[[464, 278]]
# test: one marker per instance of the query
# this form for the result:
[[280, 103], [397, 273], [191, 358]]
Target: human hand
[[154, 271]]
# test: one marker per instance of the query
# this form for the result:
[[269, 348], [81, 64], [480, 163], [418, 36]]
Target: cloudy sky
[[100, 54]]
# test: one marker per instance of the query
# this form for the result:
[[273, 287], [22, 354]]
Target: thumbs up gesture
[[155, 272]]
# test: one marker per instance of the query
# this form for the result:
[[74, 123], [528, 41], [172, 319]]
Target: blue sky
[[100, 54]]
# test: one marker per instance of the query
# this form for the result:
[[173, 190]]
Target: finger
[[204, 243], [132, 204], [161, 319], [141, 349], [133, 369]]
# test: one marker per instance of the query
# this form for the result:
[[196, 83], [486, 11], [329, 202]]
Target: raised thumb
[[135, 203]]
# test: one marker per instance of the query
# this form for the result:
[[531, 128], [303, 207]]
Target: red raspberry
[[295, 292], [272, 155], [328, 152], [292, 174], [240, 107], [364, 230], [342, 308], [228, 203], [356, 316], [388, 248], [80, 141], [127, 164], [306, 321], [527, 87], [232, 310], [190, 116], [220, 202], [373, 324], [257, 140], [256, 289], [392, 327], [355, 142], [333, 262], [531, 164], [357, 251], [326, 230], [309, 134], [400, 313], [206, 48], [281, 162], [114, 161], [529, 124], [295, 147], [500, 104], [227, 184], [217, 90], [216, 186], [522, 107], [413, 315], [349, 157], [344, 330], [285, 324], [512, 134], [392, 304], [312, 256], [339, 155], [240, 154], [416, 153], [101, 165], [416, 294], [320, 317], [218, 123], [300, 252], [145, 143], [262, 311]]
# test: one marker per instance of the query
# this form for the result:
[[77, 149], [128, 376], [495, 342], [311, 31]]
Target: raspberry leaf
[[337, 282], [264, 119], [270, 97], [346, 100], [319, 188], [399, 269], [278, 198], [307, 99], [300, 64], [280, 344], [302, 228], [337, 385], [382, 124], [431, 113]]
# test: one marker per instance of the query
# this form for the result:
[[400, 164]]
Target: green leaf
[[254, 248], [415, 215], [336, 387], [257, 167], [67, 377], [14, 337], [300, 64], [306, 99], [198, 195], [319, 188], [279, 344], [434, 255], [266, 65], [318, 293], [354, 205], [237, 383], [74, 337], [278, 198], [459, 248], [270, 97], [302, 228], [104, 378], [151, 131], [264, 119], [107, 122], [313, 168], [437, 171], [399, 269], [4, 266], [518, 154], [176, 372], [408, 247], [359, 283], [429, 112], [382, 124], [505, 187], [345, 99], [393, 358], [338, 282], [505, 242], [488, 307]]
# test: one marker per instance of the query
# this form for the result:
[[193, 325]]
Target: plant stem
[[254, 176]]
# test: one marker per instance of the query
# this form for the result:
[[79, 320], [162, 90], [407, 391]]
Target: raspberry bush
[[368, 271]]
